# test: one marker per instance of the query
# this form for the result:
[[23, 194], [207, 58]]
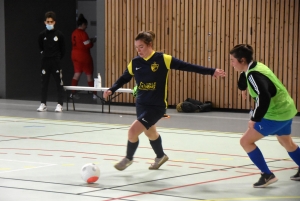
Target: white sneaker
[[58, 108], [42, 108], [95, 96]]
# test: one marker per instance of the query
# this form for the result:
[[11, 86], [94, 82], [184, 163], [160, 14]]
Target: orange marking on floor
[[197, 167], [174, 165], [89, 157], [22, 154]]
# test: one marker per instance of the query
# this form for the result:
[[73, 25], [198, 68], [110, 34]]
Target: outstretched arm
[[125, 78], [185, 66]]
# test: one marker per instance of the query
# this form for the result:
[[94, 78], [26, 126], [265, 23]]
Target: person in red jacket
[[81, 56]]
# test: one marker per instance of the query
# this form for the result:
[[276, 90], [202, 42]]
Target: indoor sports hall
[[58, 58], [41, 155]]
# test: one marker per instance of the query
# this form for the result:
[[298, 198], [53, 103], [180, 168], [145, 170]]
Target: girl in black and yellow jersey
[[150, 70]]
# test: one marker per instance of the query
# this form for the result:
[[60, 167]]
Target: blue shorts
[[149, 115], [270, 127]]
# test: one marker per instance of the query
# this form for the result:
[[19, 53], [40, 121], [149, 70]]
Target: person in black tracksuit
[[150, 70], [52, 48]]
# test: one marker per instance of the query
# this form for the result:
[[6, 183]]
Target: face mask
[[49, 27]]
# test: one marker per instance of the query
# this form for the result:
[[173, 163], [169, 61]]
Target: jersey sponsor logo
[[260, 127], [55, 38], [147, 86], [45, 38], [137, 68], [144, 120], [154, 66], [43, 72]]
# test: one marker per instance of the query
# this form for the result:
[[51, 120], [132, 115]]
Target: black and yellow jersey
[[151, 76]]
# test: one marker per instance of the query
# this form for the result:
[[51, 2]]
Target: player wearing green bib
[[272, 115]]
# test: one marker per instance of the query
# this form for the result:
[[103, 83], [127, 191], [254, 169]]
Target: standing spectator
[[81, 55], [52, 47]]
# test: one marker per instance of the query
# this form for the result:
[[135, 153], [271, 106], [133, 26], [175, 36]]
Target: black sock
[[157, 147], [131, 148]]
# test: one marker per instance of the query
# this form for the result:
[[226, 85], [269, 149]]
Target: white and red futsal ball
[[90, 173]]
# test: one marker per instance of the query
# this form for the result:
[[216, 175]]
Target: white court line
[[215, 117], [193, 115], [26, 162], [44, 165], [171, 114]]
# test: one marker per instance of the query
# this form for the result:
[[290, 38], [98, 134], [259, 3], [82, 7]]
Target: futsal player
[[150, 70], [273, 113]]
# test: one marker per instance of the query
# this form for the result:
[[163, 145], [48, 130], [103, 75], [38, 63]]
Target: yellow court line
[[4, 169], [255, 198], [29, 167]]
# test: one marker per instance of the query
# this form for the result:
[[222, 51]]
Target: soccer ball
[[90, 173]]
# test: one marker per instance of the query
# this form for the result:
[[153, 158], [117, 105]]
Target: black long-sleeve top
[[52, 44], [151, 77], [263, 86]]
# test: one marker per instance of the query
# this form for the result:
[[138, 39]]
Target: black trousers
[[51, 66]]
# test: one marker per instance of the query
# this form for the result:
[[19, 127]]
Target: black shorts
[[149, 115]]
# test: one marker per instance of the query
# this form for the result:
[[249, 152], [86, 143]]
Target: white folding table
[[102, 89]]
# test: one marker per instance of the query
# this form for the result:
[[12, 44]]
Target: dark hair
[[242, 51], [81, 20], [146, 36], [50, 14]]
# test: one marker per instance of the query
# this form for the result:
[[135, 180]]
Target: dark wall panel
[[24, 20]]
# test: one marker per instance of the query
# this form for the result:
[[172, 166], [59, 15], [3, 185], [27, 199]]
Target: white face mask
[[49, 27]]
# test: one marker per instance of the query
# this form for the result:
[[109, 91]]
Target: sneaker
[[95, 96], [158, 162], [42, 108], [296, 177], [58, 108], [123, 164], [75, 96], [265, 180]]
